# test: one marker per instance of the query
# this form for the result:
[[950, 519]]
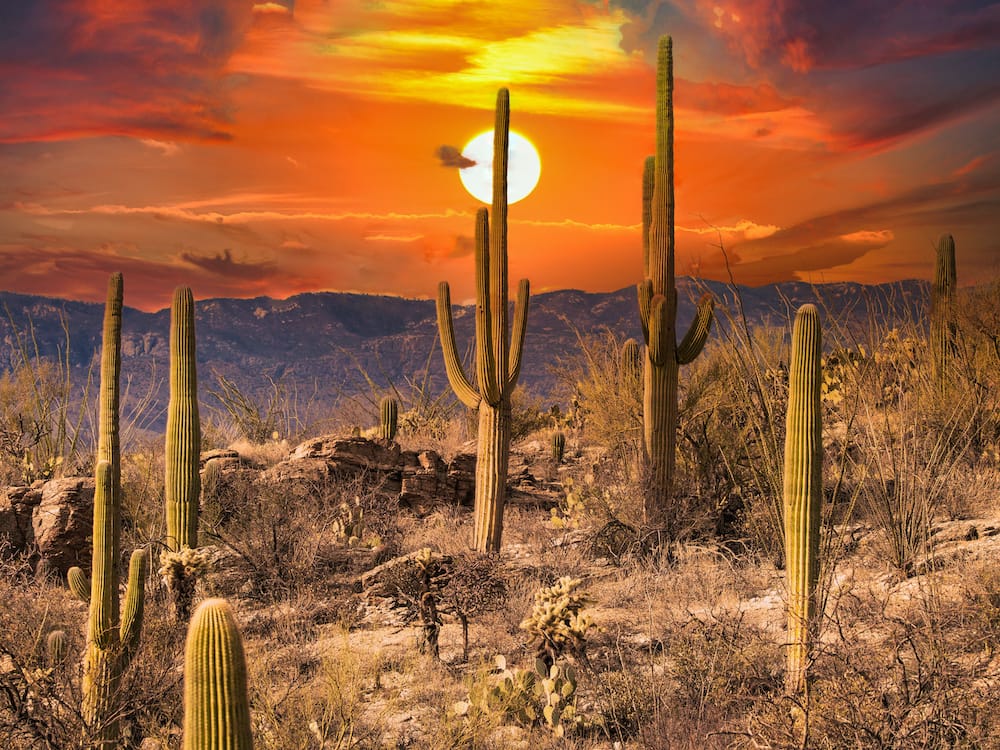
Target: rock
[[62, 524], [226, 459], [16, 507], [460, 487]]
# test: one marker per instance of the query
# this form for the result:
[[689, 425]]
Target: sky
[[290, 146]]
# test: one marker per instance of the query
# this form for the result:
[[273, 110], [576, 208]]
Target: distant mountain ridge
[[318, 343]]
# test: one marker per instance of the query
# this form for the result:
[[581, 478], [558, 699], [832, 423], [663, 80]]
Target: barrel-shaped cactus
[[558, 446], [56, 647], [498, 350], [216, 706], [658, 302], [388, 410], [942, 343], [112, 635], [630, 364], [803, 492], [183, 443], [79, 583]]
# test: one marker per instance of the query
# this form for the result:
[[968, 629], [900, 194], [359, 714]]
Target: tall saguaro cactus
[[942, 341], [183, 483], [498, 350], [803, 491], [216, 706], [112, 635], [183, 449], [658, 301]]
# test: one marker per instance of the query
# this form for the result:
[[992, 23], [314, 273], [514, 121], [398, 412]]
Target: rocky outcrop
[[62, 524], [16, 507], [419, 480]]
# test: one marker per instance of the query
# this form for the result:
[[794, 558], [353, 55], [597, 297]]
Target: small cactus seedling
[[803, 492], [216, 704]]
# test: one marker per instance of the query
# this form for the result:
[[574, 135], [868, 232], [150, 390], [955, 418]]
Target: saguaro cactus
[[182, 481], [630, 364], [558, 446], [803, 491], [216, 706], [658, 302], [388, 418], [942, 343], [498, 350], [112, 636]]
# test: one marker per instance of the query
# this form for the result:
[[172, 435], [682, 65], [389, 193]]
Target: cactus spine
[[183, 483], [942, 342], [389, 418], [498, 351], [216, 706], [112, 636], [658, 301], [803, 491]]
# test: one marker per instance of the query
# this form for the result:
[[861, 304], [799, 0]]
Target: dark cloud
[[71, 69], [452, 157], [464, 245], [224, 265]]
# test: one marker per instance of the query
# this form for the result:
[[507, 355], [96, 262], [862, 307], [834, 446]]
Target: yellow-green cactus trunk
[[216, 706], [803, 493], [183, 442]]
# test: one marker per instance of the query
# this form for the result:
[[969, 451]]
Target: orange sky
[[278, 148]]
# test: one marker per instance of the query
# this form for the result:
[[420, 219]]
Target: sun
[[524, 167]]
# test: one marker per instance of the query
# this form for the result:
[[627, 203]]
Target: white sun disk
[[523, 167]]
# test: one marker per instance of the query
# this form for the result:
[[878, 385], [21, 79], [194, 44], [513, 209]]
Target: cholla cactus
[[556, 623], [180, 571], [349, 527]]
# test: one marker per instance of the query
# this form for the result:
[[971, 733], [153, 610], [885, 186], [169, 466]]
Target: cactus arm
[[694, 340], [803, 491], [500, 342], [517, 335], [648, 172], [182, 482], [452, 365], [79, 584], [644, 291], [486, 362], [660, 330], [133, 607], [216, 703], [104, 581]]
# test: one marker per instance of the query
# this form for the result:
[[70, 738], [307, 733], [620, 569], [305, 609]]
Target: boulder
[[62, 524], [16, 507]]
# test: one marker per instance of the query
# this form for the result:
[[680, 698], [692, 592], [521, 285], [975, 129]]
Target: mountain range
[[323, 348]]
